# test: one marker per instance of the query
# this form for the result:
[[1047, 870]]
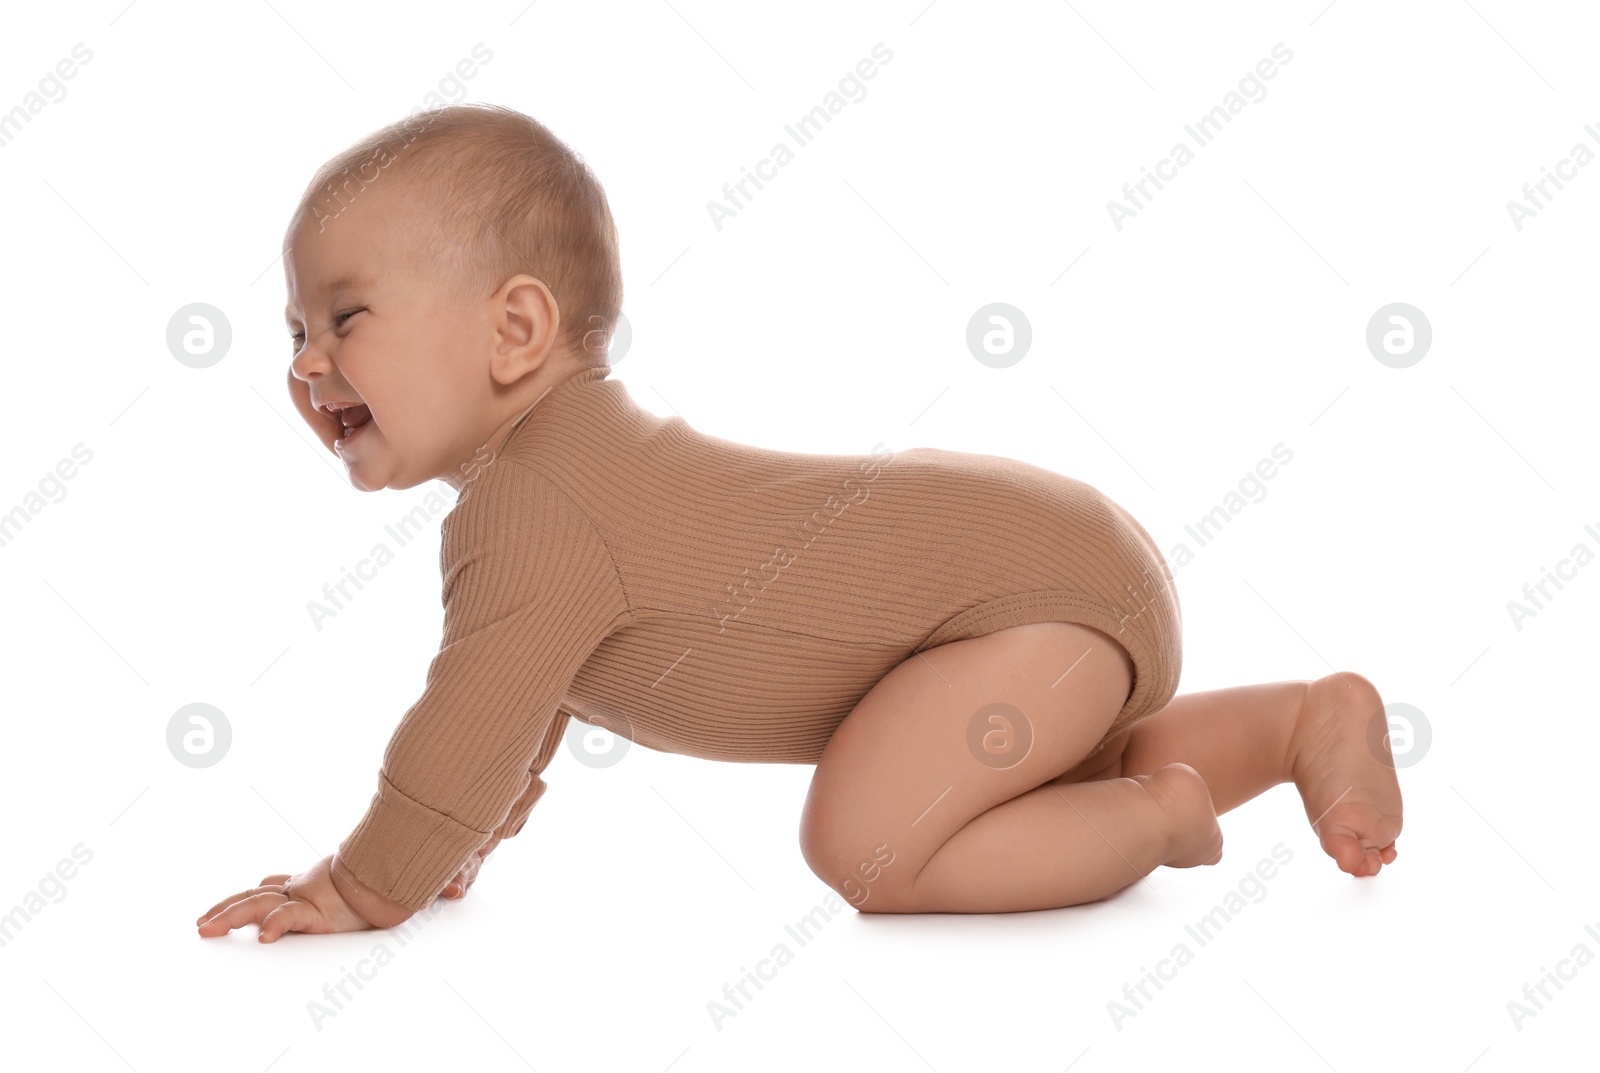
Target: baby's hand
[[457, 887], [308, 902]]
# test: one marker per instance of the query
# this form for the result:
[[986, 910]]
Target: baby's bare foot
[[1352, 797], [1183, 795]]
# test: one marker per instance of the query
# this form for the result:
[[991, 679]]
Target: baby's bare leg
[[934, 794], [1237, 739]]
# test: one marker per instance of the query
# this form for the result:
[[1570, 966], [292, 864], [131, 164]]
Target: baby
[[979, 655]]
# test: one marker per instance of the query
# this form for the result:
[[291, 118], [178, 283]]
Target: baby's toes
[[1354, 856], [1346, 851]]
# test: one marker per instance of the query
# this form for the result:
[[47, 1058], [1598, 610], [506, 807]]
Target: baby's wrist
[[366, 903]]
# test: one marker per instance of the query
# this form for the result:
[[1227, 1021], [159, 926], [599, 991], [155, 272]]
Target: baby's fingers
[[252, 909], [292, 915], [457, 887], [266, 887]]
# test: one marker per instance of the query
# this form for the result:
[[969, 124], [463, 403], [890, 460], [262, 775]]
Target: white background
[[830, 314]]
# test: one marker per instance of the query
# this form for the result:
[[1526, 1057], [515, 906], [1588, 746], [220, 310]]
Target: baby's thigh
[[947, 735]]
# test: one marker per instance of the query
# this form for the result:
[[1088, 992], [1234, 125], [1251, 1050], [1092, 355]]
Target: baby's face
[[371, 326]]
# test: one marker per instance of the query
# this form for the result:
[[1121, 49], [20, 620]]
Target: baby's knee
[[868, 878]]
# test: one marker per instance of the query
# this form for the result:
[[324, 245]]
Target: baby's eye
[[338, 322]]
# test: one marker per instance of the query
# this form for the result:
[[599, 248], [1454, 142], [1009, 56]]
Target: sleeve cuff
[[405, 850]]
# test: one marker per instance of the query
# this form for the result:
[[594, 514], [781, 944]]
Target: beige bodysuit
[[706, 597]]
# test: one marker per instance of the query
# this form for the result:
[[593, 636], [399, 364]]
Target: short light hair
[[499, 195]]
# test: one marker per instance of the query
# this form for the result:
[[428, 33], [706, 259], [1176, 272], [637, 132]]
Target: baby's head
[[443, 273]]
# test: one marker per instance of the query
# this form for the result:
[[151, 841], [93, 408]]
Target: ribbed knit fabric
[[710, 598]]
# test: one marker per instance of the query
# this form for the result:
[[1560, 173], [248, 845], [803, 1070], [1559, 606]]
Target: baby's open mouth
[[353, 419]]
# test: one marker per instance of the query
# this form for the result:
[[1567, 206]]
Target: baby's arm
[[518, 816], [529, 591]]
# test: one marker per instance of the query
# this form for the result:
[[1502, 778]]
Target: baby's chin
[[373, 462], [375, 474], [367, 460]]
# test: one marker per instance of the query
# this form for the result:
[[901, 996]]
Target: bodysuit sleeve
[[536, 785], [529, 590]]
